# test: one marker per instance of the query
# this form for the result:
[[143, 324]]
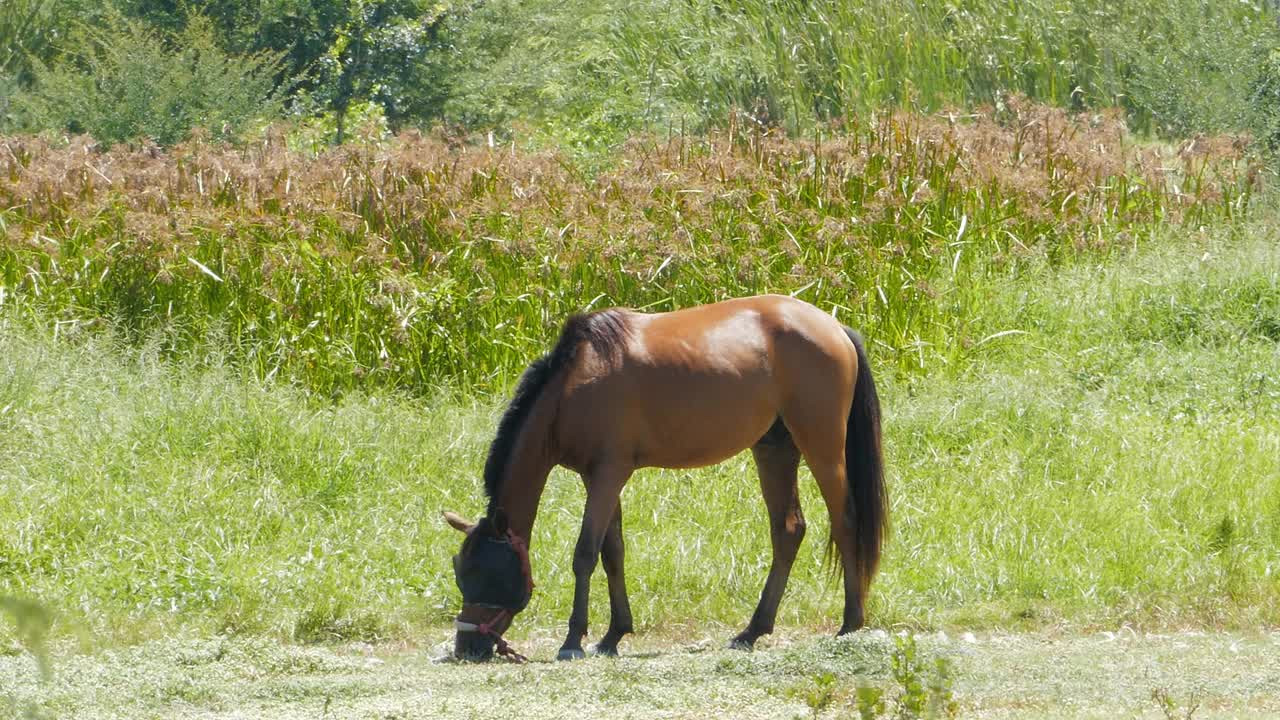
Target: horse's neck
[[532, 459]]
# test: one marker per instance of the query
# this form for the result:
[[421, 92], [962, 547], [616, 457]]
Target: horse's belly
[[703, 428], [687, 456], [689, 422]]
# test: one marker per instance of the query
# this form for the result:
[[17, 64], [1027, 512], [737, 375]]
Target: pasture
[[239, 384], [1111, 466]]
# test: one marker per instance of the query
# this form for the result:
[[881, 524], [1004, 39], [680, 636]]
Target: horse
[[623, 390]]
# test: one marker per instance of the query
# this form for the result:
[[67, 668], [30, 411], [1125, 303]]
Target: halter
[[502, 647]]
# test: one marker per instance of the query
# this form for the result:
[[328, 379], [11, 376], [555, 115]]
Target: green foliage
[[1265, 100], [922, 694], [1191, 66], [585, 75], [921, 687], [24, 31], [337, 53], [870, 702], [363, 122], [377, 54], [127, 82], [549, 68], [1180, 66], [26, 27], [818, 692]]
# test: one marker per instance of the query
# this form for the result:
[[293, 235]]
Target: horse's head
[[492, 571]]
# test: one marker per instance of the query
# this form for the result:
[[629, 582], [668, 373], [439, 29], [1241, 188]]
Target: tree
[[336, 52]]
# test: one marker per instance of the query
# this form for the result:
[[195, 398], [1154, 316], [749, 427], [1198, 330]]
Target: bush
[[1265, 101], [25, 29], [551, 68], [130, 82], [1190, 66]]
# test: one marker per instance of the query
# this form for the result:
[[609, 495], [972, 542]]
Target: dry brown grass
[[875, 210]]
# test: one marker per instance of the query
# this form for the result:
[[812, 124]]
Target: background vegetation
[[267, 270], [409, 264], [584, 74]]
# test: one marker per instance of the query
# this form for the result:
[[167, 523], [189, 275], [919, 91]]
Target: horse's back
[[695, 386]]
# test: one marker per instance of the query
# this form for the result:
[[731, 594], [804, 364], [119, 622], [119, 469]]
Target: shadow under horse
[[623, 390]]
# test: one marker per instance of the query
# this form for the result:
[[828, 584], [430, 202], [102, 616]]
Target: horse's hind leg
[[611, 557], [819, 431], [777, 460]]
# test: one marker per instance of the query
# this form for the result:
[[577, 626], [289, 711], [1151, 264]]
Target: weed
[[1171, 708], [922, 694], [33, 623], [818, 692], [870, 702], [923, 687]]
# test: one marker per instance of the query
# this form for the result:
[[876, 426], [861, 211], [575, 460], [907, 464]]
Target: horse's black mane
[[605, 330]]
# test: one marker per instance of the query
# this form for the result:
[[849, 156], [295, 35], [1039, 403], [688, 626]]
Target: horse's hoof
[[745, 644], [570, 654], [602, 650]]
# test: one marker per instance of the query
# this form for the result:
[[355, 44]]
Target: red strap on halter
[[522, 550], [502, 646]]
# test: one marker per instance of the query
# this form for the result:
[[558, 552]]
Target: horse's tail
[[867, 505]]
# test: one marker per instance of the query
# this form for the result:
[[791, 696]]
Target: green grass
[[1114, 460]]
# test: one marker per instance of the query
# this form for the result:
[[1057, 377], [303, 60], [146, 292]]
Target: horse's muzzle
[[472, 646]]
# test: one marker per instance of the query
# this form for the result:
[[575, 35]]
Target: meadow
[[267, 279], [239, 384], [1113, 461]]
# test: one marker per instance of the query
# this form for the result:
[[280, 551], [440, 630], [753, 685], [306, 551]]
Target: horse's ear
[[499, 521], [457, 523]]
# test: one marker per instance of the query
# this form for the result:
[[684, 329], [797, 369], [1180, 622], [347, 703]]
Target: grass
[[1114, 460], [996, 675]]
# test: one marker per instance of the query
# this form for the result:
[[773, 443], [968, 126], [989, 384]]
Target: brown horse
[[624, 390]]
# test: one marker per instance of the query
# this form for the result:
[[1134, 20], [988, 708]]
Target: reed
[[418, 264]]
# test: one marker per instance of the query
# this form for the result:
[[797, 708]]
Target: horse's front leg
[[611, 556], [604, 485]]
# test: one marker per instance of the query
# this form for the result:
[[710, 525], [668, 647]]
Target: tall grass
[[1116, 460], [1177, 66], [417, 264]]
